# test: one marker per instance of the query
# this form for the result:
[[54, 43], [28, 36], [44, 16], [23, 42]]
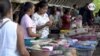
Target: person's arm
[[31, 34], [52, 19], [20, 42], [49, 23], [29, 26], [60, 22], [40, 27]]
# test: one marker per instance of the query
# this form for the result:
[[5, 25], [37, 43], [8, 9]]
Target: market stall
[[73, 42], [68, 44]]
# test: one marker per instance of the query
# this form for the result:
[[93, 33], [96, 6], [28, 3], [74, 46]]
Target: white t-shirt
[[8, 38], [39, 21], [26, 22]]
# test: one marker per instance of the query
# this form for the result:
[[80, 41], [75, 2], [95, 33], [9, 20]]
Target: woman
[[66, 20], [75, 11], [27, 23], [41, 19], [87, 16], [55, 18], [11, 35]]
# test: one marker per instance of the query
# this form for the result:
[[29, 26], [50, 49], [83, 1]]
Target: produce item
[[50, 48], [36, 47], [77, 31]]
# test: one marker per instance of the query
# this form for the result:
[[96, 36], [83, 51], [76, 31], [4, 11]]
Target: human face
[[32, 10], [43, 10]]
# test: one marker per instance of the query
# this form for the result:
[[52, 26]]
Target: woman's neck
[[8, 15], [28, 13]]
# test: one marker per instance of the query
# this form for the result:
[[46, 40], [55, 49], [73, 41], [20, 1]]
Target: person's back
[[66, 22], [8, 35], [11, 34]]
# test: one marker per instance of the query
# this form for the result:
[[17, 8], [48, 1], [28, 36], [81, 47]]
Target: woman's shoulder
[[9, 22], [46, 16], [26, 17], [35, 14]]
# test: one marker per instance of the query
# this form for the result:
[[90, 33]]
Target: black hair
[[67, 10], [58, 9], [41, 4], [15, 16], [23, 9], [86, 6], [74, 6], [27, 6], [5, 7], [53, 10]]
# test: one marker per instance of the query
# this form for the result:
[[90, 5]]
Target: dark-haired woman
[[11, 34], [66, 20], [54, 17], [27, 23], [41, 19]]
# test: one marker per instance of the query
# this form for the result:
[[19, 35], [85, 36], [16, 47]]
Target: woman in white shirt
[[11, 34], [41, 19], [26, 22]]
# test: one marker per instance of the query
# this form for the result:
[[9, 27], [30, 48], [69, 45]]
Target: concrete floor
[[97, 52]]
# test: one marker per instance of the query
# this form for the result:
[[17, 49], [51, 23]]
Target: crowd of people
[[36, 21]]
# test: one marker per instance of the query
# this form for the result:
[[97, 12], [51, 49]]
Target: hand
[[25, 53], [49, 23]]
